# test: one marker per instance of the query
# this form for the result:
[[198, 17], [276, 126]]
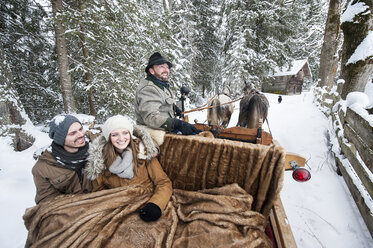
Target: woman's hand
[[150, 212]]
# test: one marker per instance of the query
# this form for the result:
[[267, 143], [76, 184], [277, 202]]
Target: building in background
[[289, 81]]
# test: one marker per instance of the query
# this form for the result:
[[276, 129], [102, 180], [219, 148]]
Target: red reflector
[[301, 175]]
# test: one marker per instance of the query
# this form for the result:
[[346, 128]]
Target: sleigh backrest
[[195, 163]]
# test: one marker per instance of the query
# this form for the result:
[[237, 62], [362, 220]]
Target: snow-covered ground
[[321, 211]]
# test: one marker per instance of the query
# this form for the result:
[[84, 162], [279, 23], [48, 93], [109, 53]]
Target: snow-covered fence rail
[[354, 150]]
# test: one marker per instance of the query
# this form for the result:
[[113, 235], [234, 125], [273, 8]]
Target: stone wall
[[354, 156]]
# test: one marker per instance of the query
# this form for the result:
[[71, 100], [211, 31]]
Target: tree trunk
[[87, 75], [167, 6], [11, 108], [63, 61], [329, 57], [356, 74]]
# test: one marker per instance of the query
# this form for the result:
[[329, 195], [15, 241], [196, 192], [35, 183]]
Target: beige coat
[[154, 105], [51, 179], [149, 173]]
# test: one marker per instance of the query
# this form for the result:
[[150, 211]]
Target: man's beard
[[163, 77]]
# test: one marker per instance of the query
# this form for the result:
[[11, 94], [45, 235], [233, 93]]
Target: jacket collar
[[159, 83]]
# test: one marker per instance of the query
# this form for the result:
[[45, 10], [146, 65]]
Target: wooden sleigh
[[278, 228], [252, 135]]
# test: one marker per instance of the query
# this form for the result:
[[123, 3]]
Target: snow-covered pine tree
[[24, 31], [12, 114]]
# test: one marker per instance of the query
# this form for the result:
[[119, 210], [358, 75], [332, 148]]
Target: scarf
[[159, 82], [73, 161], [123, 166]]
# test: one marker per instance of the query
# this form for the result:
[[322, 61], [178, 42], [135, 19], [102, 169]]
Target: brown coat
[[148, 173], [51, 179]]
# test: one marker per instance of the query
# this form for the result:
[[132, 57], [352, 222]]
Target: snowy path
[[321, 211]]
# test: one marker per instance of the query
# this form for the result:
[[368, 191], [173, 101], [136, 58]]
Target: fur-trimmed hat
[[117, 121], [59, 126], [156, 59]]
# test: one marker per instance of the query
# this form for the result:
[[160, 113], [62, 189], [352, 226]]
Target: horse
[[253, 110], [220, 115]]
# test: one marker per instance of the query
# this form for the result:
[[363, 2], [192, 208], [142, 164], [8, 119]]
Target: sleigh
[[251, 135], [239, 155], [226, 192]]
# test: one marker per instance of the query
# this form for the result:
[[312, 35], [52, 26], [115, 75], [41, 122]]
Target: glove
[[184, 127], [150, 212], [178, 111]]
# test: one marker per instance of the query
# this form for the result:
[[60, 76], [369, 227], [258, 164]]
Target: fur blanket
[[196, 162], [218, 217]]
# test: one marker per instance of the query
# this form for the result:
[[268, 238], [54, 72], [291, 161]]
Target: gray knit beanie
[[59, 126], [117, 121]]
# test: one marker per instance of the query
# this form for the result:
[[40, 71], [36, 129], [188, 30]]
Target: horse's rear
[[221, 113], [253, 110]]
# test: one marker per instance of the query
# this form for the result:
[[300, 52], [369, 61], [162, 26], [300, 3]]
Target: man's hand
[[184, 127], [178, 111]]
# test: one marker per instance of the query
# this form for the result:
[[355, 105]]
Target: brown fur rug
[[195, 162], [218, 217]]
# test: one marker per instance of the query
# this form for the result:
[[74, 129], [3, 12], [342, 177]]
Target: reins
[[235, 100], [203, 108]]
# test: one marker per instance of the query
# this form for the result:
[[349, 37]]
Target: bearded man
[[154, 102]]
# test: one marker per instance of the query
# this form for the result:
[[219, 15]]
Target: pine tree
[[329, 57], [63, 60], [30, 54], [257, 40], [12, 115]]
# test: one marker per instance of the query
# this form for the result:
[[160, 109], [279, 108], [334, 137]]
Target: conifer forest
[[87, 56]]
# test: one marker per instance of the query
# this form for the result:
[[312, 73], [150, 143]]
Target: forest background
[[78, 56], [213, 45], [87, 56]]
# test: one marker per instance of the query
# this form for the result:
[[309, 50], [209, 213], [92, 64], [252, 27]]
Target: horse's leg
[[254, 112], [213, 113], [209, 116], [228, 110], [242, 117]]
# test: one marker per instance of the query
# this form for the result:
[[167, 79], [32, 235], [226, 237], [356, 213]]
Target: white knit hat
[[117, 121]]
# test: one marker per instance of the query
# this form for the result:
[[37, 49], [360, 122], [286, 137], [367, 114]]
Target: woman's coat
[[148, 173]]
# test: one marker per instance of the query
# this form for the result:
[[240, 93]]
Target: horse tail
[[254, 111], [213, 113]]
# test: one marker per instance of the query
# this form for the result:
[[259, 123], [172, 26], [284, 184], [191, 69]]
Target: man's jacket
[[154, 105]]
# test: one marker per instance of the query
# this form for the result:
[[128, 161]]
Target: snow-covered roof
[[296, 66]]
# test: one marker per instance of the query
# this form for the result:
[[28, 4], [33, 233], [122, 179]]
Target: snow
[[363, 51], [295, 67], [321, 212], [352, 10], [369, 92], [359, 99], [365, 48], [58, 119]]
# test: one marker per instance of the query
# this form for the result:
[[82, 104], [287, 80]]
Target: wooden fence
[[354, 159]]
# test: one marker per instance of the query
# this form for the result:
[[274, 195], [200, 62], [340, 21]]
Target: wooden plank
[[281, 227], [350, 152], [360, 125], [290, 156], [365, 152], [239, 133], [363, 206]]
